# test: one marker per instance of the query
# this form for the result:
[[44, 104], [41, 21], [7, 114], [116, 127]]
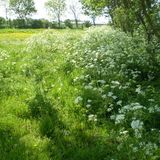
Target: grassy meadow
[[74, 95], [38, 118]]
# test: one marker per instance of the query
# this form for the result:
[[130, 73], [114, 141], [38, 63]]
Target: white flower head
[[119, 118], [137, 124], [92, 117], [78, 100], [110, 94], [101, 81]]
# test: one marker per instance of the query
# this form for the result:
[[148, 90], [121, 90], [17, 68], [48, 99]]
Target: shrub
[[2, 22], [68, 23], [117, 84], [87, 24]]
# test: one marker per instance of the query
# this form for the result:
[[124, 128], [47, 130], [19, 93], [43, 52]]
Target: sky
[[42, 13]]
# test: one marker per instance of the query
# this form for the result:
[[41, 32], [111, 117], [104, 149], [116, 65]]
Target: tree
[[68, 23], [56, 9], [4, 3], [22, 8], [75, 9], [130, 14], [91, 11], [2, 22]]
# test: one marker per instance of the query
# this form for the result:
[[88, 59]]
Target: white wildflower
[[92, 117], [101, 81], [119, 103], [115, 82], [119, 118], [104, 96], [123, 132], [114, 97], [89, 101], [137, 124], [88, 105], [78, 100], [88, 87], [110, 94]]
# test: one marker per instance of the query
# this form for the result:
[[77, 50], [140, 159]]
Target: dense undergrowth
[[70, 95]]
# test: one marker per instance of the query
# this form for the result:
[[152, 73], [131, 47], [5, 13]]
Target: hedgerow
[[119, 85]]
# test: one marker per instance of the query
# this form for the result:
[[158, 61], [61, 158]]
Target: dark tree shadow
[[74, 145], [11, 146]]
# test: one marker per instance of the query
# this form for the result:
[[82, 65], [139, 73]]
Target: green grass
[[38, 118]]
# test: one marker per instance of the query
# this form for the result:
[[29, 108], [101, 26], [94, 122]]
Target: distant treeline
[[40, 23]]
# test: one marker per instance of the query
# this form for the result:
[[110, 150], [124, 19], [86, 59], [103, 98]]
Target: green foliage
[[68, 23], [87, 24], [2, 22], [29, 23], [37, 23], [128, 15], [22, 8], [91, 11], [19, 23], [56, 9]]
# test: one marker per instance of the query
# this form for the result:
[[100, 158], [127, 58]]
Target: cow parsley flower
[[110, 94], [92, 117], [78, 100], [137, 124], [119, 118]]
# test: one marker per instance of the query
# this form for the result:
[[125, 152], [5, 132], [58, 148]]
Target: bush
[[19, 23], [29, 23], [87, 24], [68, 23], [118, 83], [37, 23], [2, 22]]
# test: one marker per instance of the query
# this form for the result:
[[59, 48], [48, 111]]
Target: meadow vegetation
[[78, 95]]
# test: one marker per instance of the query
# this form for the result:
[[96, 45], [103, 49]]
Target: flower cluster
[[3, 55], [114, 85]]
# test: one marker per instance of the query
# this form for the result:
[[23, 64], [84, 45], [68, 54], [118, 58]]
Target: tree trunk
[[59, 22], [76, 21], [94, 20]]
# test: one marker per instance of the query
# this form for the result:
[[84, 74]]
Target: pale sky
[[42, 13]]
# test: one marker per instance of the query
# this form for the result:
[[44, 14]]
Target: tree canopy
[[56, 9], [129, 14], [22, 8]]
